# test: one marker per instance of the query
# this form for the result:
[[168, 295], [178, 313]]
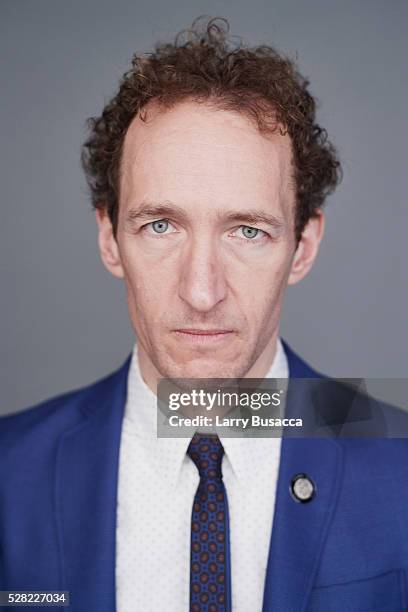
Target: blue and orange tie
[[209, 572]]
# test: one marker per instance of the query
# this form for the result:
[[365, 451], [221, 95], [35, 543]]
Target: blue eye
[[249, 232], [160, 226]]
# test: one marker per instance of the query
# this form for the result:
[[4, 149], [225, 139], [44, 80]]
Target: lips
[[203, 337], [204, 332]]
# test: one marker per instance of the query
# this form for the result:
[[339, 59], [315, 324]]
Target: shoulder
[[38, 424], [345, 407]]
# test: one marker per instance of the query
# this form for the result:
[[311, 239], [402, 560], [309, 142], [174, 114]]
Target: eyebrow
[[148, 210], [251, 217]]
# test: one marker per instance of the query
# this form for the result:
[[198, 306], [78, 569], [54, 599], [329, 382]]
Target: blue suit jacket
[[347, 549]]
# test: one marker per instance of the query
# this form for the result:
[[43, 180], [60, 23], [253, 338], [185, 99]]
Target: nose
[[202, 282]]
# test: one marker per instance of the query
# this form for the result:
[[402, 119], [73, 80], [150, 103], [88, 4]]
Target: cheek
[[262, 278], [261, 295], [260, 302], [147, 290]]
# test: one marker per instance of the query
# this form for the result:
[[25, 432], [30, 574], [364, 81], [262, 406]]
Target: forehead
[[214, 157]]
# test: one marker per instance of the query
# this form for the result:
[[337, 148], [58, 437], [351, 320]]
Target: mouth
[[203, 336]]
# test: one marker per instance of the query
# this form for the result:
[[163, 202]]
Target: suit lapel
[[299, 529], [86, 496]]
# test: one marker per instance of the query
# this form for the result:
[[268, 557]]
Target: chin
[[205, 368]]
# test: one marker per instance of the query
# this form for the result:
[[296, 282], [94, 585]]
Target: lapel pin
[[302, 488]]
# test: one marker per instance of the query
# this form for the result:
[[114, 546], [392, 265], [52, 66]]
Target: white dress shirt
[[156, 489]]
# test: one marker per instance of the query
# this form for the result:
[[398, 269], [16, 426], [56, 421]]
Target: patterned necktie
[[209, 537]]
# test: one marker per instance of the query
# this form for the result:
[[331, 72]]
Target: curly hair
[[206, 66]]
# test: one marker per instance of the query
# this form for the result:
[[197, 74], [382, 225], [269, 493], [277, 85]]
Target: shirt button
[[302, 488]]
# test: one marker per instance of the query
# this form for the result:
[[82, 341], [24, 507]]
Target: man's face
[[205, 240]]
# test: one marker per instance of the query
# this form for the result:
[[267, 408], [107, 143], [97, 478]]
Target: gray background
[[64, 320]]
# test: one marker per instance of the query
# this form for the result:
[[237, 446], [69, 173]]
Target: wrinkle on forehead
[[191, 142]]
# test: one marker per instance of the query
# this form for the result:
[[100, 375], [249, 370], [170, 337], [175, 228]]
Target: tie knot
[[207, 453]]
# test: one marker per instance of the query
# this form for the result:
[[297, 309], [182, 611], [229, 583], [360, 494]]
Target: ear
[[307, 248], [108, 247]]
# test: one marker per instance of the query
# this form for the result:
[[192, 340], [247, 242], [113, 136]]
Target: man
[[208, 174]]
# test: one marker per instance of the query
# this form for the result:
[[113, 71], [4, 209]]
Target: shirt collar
[[140, 418]]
